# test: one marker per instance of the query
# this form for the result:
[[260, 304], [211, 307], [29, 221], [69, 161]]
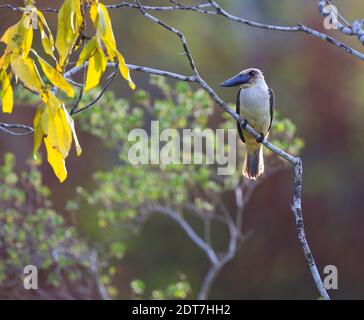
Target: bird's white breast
[[255, 106]]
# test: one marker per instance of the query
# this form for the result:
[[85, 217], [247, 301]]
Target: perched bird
[[255, 104]]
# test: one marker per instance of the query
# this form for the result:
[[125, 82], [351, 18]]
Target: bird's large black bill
[[235, 81]]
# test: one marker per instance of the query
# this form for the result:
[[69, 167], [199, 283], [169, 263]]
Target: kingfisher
[[255, 103]]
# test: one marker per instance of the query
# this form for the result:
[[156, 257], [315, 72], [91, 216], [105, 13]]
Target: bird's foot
[[261, 138], [244, 124]]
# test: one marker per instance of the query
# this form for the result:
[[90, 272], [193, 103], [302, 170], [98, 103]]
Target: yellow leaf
[[87, 51], [38, 132], [26, 70], [56, 160], [5, 60], [56, 77], [2, 61], [104, 31], [53, 122], [46, 42], [96, 67], [28, 41], [124, 70], [69, 24], [43, 22], [93, 13], [46, 37], [14, 35], [72, 126], [6, 92], [19, 37], [103, 20], [55, 125]]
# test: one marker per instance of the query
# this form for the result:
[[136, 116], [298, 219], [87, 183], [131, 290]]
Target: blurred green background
[[318, 86]]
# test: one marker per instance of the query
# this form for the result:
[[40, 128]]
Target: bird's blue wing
[[271, 106], [240, 130]]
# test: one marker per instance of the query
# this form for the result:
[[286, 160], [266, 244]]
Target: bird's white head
[[246, 78]]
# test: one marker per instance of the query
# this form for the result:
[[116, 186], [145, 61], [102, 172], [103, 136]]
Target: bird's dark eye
[[252, 73]]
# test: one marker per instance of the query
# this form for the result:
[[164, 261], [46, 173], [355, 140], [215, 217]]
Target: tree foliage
[[33, 233]]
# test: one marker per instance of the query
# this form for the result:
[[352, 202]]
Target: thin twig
[[197, 8], [175, 31], [298, 28], [74, 110], [11, 7], [188, 229], [353, 29], [82, 89], [11, 127], [297, 210]]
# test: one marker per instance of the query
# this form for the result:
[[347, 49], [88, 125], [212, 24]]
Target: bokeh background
[[318, 86]]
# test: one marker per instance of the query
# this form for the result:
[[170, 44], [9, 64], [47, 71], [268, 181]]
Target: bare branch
[[208, 280], [188, 229], [11, 7], [228, 256], [82, 89], [171, 29], [198, 8], [153, 71], [163, 73], [96, 271], [19, 9], [353, 29], [12, 129], [297, 210], [74, 110], [299, 28]]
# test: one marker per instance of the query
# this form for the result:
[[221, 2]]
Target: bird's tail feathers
[[253, 164]]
